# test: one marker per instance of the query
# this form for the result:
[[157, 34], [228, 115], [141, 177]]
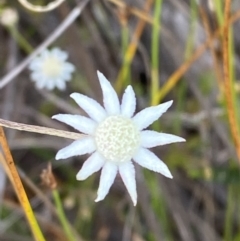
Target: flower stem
[[23, 43], [132, 48], [124, 43], [62, 216], [155, 49], [229, 213], [218, 5]]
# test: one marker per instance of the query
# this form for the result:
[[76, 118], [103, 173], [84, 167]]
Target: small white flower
[[50, 69], [115, 137]]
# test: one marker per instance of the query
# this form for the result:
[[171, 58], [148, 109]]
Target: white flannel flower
[[50, 69], [115, 137]]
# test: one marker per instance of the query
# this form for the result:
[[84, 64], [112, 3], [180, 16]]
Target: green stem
[[124, 43], [124, 39], [192, 29], [188, 52], [232, 75], [229, 214], [159, 205], [155, 49], [20, 40], [218, 4], [62, 216]]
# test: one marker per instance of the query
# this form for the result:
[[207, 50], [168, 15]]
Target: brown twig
[[134, 11], [227, 80], [17, 183]]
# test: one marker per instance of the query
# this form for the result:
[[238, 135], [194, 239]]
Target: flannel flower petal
[[51, 70], [116, 138]]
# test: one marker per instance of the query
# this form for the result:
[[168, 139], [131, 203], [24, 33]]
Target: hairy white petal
[[45, 54], [50, 84], [61, 85], [81, 123], [41, 84], [152, 138], [59, 54], [128, 105], [90, 106], [35, 64], [127, 173], [93, 164], [78, 147], [148, 115], [37, 76], [67, 76], [68, 67], [110, 98], [108, 174], [149, 160]]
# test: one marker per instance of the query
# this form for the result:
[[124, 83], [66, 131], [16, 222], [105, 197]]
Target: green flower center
[[117, 138]]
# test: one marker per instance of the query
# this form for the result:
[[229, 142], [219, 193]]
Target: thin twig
[[227, 80], [134, 11], [40, 130], [56, 33], [22, 196], [36, 8]]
